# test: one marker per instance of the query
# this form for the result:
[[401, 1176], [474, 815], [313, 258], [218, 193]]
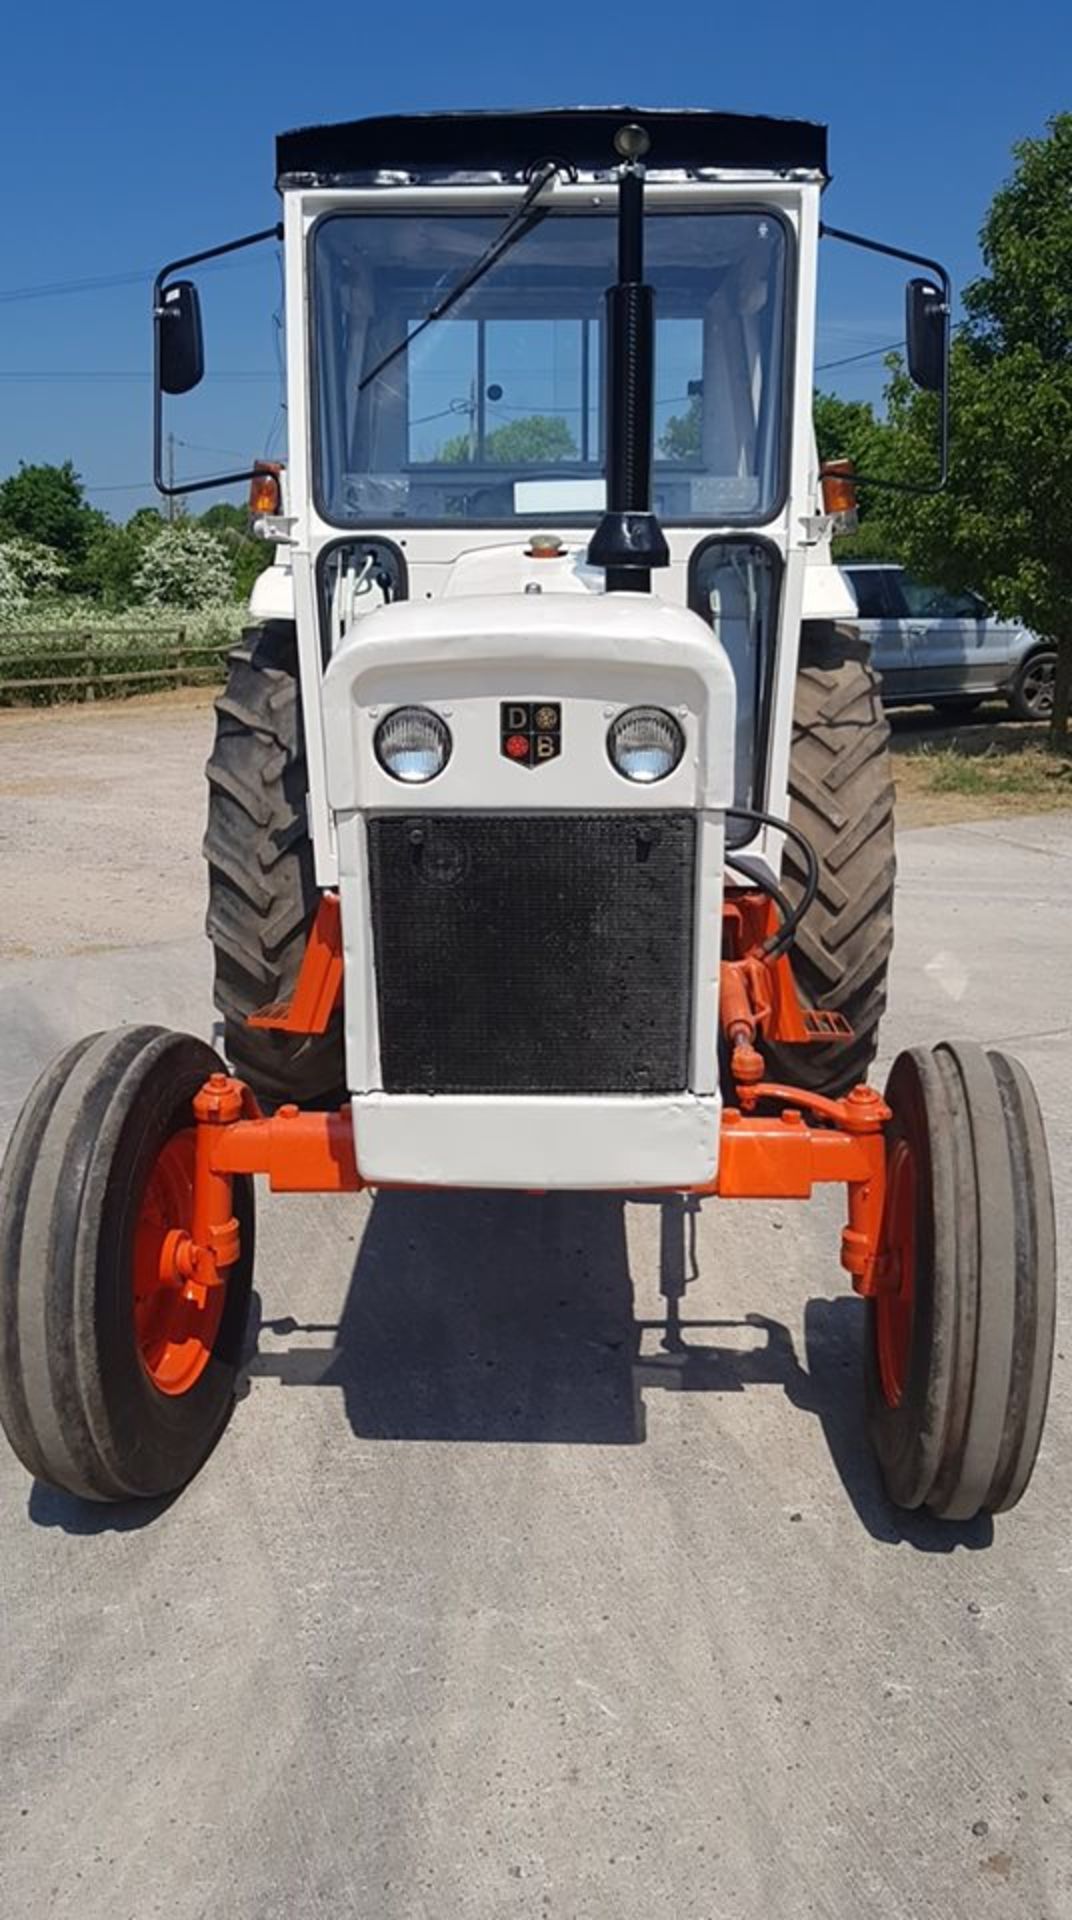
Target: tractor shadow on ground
[[510, 1318], [49, 1508]]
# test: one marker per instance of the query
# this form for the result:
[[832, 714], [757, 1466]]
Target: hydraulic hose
[[777, 943]]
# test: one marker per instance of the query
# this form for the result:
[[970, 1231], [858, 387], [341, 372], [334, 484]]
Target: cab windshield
[[495, 412]]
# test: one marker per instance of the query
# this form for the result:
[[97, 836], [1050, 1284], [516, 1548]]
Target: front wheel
[[960, 1339], [1031, 695], [113, 1383]]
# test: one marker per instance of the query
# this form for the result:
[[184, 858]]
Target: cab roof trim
[[437, 146]]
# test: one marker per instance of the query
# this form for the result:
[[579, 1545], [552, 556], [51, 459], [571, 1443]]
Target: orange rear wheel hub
[[895, 1304], [176, 1321]]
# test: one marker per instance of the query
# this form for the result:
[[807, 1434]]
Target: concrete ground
[[497, 1598]]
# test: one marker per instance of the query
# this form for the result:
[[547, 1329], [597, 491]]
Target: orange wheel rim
[[173, 1333], [895, 1307]]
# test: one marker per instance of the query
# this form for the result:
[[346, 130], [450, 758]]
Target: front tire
[[112, 1387], [960, 1343]]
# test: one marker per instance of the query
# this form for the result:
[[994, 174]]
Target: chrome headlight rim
[[655, 719], [437, 738]]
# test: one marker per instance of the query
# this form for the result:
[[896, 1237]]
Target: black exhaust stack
[[629, 541]]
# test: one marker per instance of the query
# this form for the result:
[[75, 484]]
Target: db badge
[[530, 731]]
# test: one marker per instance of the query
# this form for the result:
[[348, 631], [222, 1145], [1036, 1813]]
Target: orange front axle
[[776, 1156]]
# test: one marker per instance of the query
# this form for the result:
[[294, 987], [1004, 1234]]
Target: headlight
[[645, 744], [412, 744]]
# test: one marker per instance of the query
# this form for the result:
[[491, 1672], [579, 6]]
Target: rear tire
[[958, 1356], [263, 894], [79, 1394], [841, 798]]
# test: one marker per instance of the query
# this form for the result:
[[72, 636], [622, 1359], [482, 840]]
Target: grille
[[525, 953]]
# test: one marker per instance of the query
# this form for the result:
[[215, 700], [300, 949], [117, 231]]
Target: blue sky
[[132, 134]]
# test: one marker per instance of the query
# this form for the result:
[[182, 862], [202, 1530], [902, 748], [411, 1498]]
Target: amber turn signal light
[[265, 495], [838, 478]]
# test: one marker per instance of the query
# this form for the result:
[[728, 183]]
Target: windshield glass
[[496, 411]]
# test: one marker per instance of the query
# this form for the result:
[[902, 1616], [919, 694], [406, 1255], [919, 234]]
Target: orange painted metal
[[780, 1156], [299, 1152], [318, 988], [749, 919], [179, 1290]]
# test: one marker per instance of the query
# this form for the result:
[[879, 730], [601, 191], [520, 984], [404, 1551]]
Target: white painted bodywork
[[475, 631], [462, 657]]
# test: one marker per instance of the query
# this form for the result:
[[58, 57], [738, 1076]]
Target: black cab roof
[[511, 144]]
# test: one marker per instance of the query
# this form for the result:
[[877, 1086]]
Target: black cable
[[777, 943]]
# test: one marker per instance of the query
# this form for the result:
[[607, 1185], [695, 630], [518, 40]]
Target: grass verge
[[978, 771]]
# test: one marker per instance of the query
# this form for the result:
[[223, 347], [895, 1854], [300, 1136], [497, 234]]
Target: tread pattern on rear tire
[[841, 797], [263, 894]]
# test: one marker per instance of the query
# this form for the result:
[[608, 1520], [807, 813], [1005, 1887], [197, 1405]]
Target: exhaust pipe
[[629, 541]]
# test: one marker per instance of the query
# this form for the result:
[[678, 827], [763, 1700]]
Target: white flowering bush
[[29, 573], [186, 567], [13, 596]]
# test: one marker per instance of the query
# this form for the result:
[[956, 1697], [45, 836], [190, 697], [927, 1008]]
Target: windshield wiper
[[521, 221]]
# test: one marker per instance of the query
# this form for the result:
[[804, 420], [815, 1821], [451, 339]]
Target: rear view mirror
[[180, 343], [926, 321]]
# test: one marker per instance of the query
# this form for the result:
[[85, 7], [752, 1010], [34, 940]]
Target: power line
[[49, 289], [100, 282]]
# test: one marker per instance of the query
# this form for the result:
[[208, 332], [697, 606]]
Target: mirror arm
[[159, 284], [934, 267]]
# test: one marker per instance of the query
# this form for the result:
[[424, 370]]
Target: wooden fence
[[40, 669]]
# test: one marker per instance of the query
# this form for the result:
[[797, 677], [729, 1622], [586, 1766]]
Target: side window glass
[[961, 606], [937, 603], [867, 585]]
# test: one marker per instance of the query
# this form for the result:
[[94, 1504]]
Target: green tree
[[47, 504], [1003, 525], [539, 437], [680, 438], [113, 555], [849, 430]]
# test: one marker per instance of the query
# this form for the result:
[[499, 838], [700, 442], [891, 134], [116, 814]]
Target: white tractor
[[550, 830]]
